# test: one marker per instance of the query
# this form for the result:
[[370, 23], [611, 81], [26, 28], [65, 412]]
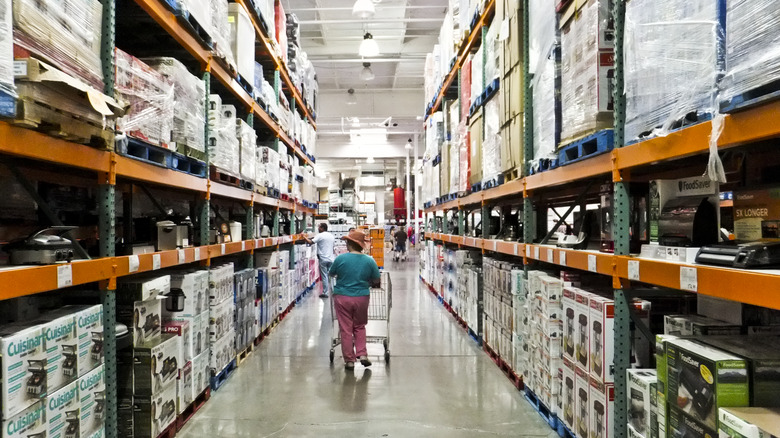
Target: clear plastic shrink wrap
[[224, 150], [463, 150], [221, 31], [247, 144], [672, 53], [477, 75], [6, 54], [189, 119], [752, 46], [454, 155], [242, 41], [542, 64], [66, 33], [428, 75], [586, 83], [268, 167], [148, 97], [491, 145], [492, 47]]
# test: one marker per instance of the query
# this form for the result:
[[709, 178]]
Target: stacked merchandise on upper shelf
[[510, 62], [267, 169], [544, 64], [224, 145], [242, 42]]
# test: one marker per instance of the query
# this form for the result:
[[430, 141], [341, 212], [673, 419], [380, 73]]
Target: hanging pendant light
[[351, 98], [363, 9], [368, 47], [367, 74]]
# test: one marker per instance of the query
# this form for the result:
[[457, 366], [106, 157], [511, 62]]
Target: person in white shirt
[[324, 241]]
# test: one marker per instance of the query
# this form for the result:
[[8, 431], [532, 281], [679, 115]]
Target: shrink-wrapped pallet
[[542, 65], [247, 139], [220, 34], [477, 75], [242, 41], [148, 97], [6, 49], [224, 147], [672, 63], [268, 167], [491, 143]]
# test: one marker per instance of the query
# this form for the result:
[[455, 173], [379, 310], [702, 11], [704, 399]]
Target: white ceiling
[[405, 30]]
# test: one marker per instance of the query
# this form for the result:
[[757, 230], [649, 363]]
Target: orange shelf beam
[[26, 143]]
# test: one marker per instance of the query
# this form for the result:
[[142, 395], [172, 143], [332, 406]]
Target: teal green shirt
[[353, 273]]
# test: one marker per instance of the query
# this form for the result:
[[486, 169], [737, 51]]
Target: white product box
[[63, 412], [749, 422], [602, 407], [220, 320], [602, 339], [156, 365], [92, 390], [62, 349], [144, 288], [583, 343], [220, 284], [185, 391], [153, 414], [552, 289], [633, 433], [222, 352], [89, 330], [196, 295], [582, 407], [242, 41], [535, 283], [569, 395], [201, 336], [143, 319], [30, 422], [641, 391], [183, 329], [568, 313], [215, 111], [201, 373], [696, 325], [23, 367]]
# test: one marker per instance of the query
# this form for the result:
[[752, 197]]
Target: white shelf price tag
[[133, 263], [528, 251], [222, 248], [550, 256], [156, 261], [182, 256], [495, 245], [197, 253], [562, 258], [536, 253], [592, 267], [243, 245], [689, 279], [257, 243], [517, 248], [64, 275], [633, 270]]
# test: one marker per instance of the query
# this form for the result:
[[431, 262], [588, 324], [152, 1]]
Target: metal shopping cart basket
[[378, 327]]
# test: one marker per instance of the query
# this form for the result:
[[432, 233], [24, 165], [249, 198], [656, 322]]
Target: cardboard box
[[552, 289], [569, 394], [143, 319], [568, 304], [195, 292], [201, 338], [763, 358], [682, 425], [444, 169], [153, 414], [511, 102], [662, 371], [602, 407], [89, 330], [222, 352], [30, 422], [220, 320], [475, 148], [756, 214], [749, 422], [63, 412], [92, 391], [142, 288], [605, 29], [186, 394], [696, 325], [156, 365], [584, 345], [512, 141], [582, 408], [702, 379], [184, 330], [242, 41], [24, 365], [642, 389], [201, 373], [62, 349]]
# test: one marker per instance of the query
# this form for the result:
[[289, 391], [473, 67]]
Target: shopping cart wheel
[[332, 356], [387, 357]]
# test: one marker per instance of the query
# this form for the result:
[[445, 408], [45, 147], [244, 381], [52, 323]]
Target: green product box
[[682, 425], [749, 422], [763, 357], [701, 379], [660, 361]]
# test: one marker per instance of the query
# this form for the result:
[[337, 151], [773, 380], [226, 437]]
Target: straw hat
[[358, 237]]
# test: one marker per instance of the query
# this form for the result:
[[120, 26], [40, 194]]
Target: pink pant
[[352, 314]]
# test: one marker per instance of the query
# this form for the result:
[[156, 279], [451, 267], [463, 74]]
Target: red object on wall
[[280, 22], [465, 88], [399, 202]]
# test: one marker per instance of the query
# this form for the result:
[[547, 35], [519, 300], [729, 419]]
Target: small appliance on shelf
[[747, 255], [43, 247]]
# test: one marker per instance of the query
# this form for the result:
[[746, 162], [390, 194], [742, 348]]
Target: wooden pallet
[[512, 174], [41, 117], [220, 378], [586, 147], [244, 354], [192, 409], [146, 152], [751, 98], [218, 175]]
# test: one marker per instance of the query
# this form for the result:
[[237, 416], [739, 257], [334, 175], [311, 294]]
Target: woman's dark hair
[[352, 246]]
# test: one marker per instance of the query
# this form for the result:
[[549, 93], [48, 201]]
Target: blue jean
[[324, 270]]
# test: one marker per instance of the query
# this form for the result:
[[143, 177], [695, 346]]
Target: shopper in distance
[[355, 273], [325, 242]]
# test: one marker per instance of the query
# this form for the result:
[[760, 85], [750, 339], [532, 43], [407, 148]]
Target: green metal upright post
[[445, 226], [275, 231], [461, 223], [204, 208], [528, 133]]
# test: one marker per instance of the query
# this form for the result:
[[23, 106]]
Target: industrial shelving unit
[[741, 128], [26, 151]]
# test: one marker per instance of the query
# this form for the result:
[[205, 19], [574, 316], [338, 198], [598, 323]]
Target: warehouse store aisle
[[439, 382]]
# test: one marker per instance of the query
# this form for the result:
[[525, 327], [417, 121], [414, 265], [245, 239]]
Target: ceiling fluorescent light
[[363, 9], [368, 47], [367, 74], [351, 98]]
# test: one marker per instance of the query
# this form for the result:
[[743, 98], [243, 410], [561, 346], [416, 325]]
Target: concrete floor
[[439, 382]]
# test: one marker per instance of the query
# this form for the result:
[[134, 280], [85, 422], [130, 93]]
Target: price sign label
[[197, 253], [592, 267], [243, 245], [517, 248], [495, 245], [536, 253], [133, 263], [64, 275], [222, 248], [689, 279], [562, 258], [257, 243], [182, 257], [156, 261], [633, 270], [550, 256], [528, 251]]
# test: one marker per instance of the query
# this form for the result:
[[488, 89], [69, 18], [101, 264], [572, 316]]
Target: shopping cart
[[378, 327]]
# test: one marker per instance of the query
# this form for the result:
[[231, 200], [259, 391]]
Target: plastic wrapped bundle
[[189, 92], [224, 149], [148, 97], [672, 63], [586, 74], [454, 164], [491, 145], [65, 33], [270, 167], [293, 29], [752, 47], [477, 75], [491, 46], [6, 54], [542, 64], [242, 41], [247, 143], [220, 34]]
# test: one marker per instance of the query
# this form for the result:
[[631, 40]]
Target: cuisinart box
[[24, 363], [568, 304], [583, 344], [602, 407], [89, 329], [143, 318], [61, 348], [641, 393], [749, 422], [568, 397], [30, 422], [582, 407], [757, 214], [153, 414], [156, 365], [702, 379], [92, 390], [63, 412]]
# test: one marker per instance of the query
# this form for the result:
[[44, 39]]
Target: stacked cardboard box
[[221, 313], [511, 95], [498, 325]]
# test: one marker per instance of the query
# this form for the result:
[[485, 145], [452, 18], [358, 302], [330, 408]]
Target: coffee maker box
[[143, 319], [153, 414], [570, 322], [62, 349], [63, 412], [220, 320], [156, 365], [583, 343], [30, 422], [142, 288], [702, 379], [641, 392], [602, 407], [92, 390], [24, 366], [569, 394], [184, 330], [582, 408], [552, 289], [749, 422], [185, 391], [602, 321]]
